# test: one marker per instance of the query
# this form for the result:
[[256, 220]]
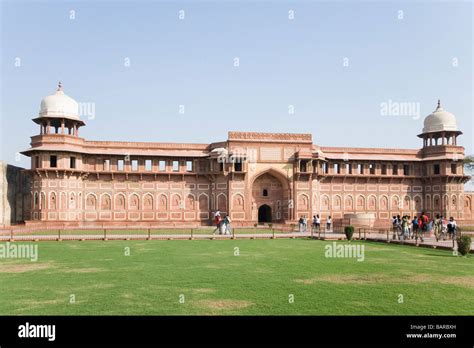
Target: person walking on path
[[437, 227], [422, 226], [217, 221], [300, 224], [452, 228], [414, 227], [227, 224]]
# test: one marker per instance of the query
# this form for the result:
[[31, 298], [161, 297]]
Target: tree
[[469, 162], [469, 167]]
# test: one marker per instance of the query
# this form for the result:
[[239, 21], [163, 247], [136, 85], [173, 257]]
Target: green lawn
[[259, 281]]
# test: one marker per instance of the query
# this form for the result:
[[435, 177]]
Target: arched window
[[106, 202], [222, 202], [134, 202], [36, 201], [119, 202], [265, 193], [162, 203], [190, 202], [148, 202], [91, 202], [43, 200], [72, 201], [52, 201]]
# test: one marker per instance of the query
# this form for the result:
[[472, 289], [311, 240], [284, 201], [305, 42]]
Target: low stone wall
[[15, 197]]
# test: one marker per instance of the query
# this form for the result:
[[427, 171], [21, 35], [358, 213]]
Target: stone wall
[[15, 202], [161, 198]]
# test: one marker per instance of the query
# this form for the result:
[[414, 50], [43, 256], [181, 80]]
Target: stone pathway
[[429, 241], [112, 236], [380, 237]]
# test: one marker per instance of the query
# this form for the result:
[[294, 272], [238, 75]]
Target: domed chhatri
[[59, 105], [440, 128], [59, 114], [440, 120]]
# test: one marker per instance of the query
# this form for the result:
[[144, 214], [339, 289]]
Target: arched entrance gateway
[[270, 192], [264, 213]]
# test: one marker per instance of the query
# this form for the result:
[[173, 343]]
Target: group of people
[[407, 228], [222, 223], [316, 225]]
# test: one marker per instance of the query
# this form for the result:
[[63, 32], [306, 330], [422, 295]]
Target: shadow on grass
[[442, 255]]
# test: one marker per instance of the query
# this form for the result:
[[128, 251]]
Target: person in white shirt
[[452, 227], [316, 223], [329, 223], [227, 224], [217, 221]]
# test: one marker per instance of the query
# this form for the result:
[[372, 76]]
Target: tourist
[[437, 227], [222, 226], [300, 224], [316, 223], [444, 227], [414, 227], [329, 224], [397, 227], [305, 224], [420, 227], [394, 220], [452, 227], [430, 226], [227, 225], [426, 221], [405, 231], [394, 226], [423, 225], [409, 227], [217, 221], [420, 222]]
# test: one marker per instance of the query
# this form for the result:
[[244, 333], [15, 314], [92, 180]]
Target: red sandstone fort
[[253, 177]]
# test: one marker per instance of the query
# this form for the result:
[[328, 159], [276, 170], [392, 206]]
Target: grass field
[[261, 280]]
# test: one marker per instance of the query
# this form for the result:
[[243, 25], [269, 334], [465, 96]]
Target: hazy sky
[[334, 64]]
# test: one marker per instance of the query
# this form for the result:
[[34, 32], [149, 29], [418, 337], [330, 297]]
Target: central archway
[[270, 189], [265, 213]]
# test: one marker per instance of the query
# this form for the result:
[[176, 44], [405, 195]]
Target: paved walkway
[[380, 237], [112, 236]]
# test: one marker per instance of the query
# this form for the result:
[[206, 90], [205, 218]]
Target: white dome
[[220, 150], [440, 120], [59, 105]]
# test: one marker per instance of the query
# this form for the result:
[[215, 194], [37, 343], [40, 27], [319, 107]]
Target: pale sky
[[333, 63]]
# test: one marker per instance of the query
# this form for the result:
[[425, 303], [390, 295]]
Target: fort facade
[[252, 177]]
